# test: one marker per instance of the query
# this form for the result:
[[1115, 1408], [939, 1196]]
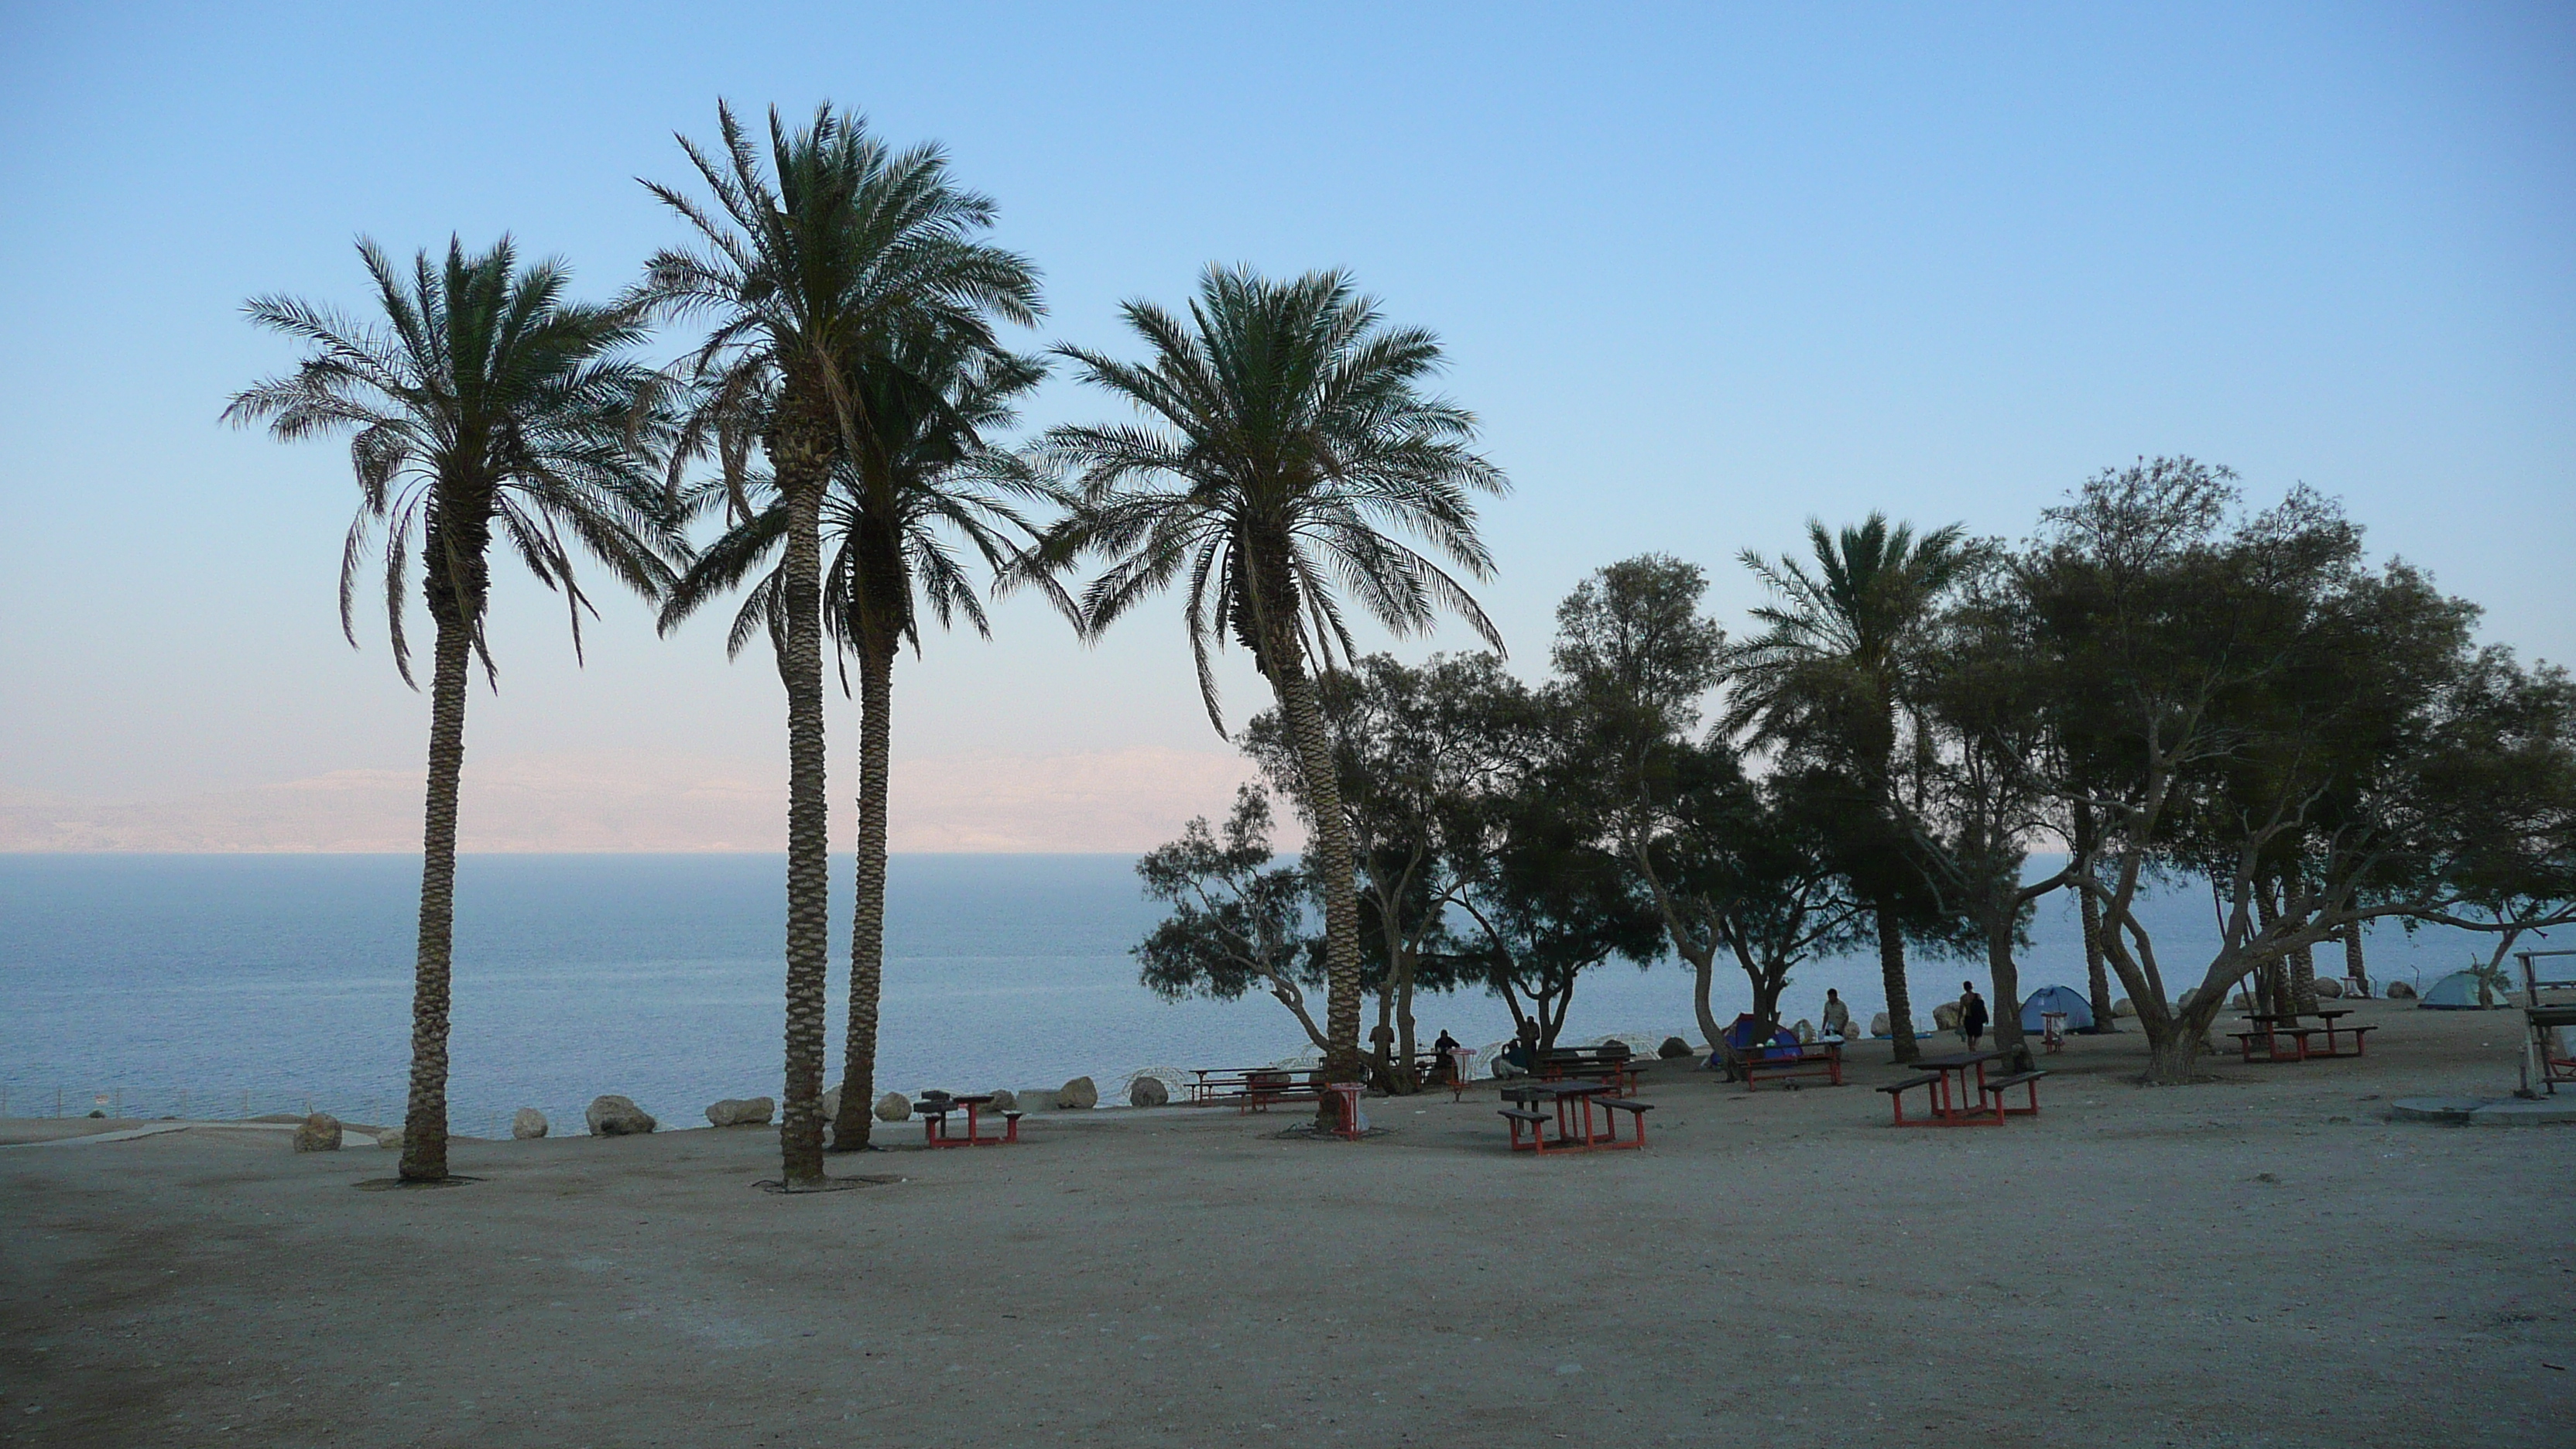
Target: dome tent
[[1748, 1036], [2079, 1012], [2457, 992]]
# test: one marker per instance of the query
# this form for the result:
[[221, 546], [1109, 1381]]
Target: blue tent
[[1747, 1035], [2079, 1012], [2455, 992]]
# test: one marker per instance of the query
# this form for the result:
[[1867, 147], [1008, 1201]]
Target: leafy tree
[[1825, 684], [1288, 433], [481, 404], [823, 270], [1239, 921], [1418, 751], [1551, 902], [1982, 788], [1745, 870], [1733, 868], [2228, 692]]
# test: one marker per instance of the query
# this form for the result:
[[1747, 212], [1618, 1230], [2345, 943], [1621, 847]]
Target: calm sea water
[[219, 984]]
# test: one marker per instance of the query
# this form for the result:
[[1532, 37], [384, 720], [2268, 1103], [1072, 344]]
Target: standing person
[[1837, 1014], [1972, 1014]]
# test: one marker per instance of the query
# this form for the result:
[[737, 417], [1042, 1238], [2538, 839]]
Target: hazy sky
[[1703, 273]]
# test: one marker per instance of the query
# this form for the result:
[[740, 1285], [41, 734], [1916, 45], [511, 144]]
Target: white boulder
[[615, 1116], [741, 1112]]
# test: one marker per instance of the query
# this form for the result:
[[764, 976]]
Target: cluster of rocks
[[1079, 1095]]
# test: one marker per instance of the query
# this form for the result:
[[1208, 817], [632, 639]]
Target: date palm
[[1825, 681], [810, 265], [1287, 435], [898, 547], [480, 404]]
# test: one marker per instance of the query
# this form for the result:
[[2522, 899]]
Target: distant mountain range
[[1125, 800]]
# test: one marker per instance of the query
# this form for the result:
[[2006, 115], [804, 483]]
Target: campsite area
[[2262, 1259]]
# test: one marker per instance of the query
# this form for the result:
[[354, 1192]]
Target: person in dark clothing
[[1972, 1014]]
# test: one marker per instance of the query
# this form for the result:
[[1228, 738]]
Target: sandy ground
[[2261, 1260]]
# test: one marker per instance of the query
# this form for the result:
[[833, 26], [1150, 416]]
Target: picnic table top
[[1531, 1091], [1959, 1061]]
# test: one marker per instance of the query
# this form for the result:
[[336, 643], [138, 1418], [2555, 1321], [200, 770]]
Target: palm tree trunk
[[1891, 973], [424, 1149], [867, 916], [809, 864], [2353, 967], [1331, 848]]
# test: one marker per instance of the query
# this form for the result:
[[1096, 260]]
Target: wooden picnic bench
[[1806, 1059], [1995, 1087], [1568, 1098], [934, 1107], [1619, 1068], [1949, 1105], [2270, 1040], [1253, 1089]]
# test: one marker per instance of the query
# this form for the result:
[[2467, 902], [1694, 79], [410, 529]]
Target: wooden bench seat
[[1636, 1111], [2270, 1042], [1997, 1086], [1933, 1115]]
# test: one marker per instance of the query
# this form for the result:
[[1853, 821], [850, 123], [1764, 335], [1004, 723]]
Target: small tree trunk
[[1404, 1035], [2303, 972], [1766, 999], [2353, 969], [1891, 971], [424, 1149], [801, 464], [1331, 847], [2269, 996], [867, 917], [1704, 966], [2005, 975], [2098, 982], [2175, 1060]]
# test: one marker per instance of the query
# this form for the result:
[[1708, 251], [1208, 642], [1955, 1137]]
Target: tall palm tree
[[893, 546], [482, 402], [1826, 679], [1287, 433], [810, 266]]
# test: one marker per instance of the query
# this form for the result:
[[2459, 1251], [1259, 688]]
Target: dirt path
[[2261, 1260]]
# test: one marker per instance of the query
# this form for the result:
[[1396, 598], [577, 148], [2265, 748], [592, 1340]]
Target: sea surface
[[234, 985]]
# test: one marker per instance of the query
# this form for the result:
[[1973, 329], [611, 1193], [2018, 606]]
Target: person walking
[[1837, 1014], [1972, 1014]]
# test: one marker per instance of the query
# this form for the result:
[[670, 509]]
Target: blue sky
[[1703, 273]]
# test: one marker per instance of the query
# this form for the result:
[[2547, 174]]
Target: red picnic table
[[1569, 1099], [1950, 1108], [935, 1107], [2281, 1039]]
